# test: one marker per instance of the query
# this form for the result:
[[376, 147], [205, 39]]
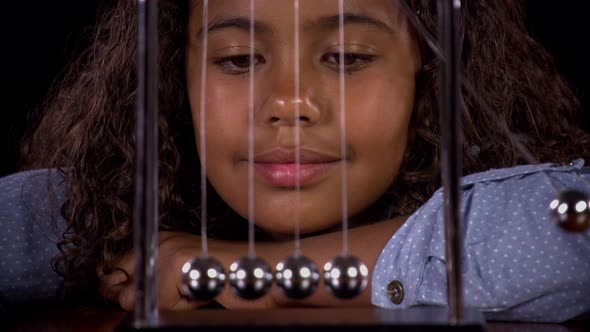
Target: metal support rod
[[451, 168], [146, 181]]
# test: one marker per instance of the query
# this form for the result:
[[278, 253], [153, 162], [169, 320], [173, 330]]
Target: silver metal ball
[[571, 210], [250, 277], [346, 276], [297, 276], [203, 278]]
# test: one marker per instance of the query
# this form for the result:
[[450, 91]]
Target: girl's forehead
[[281, 10]]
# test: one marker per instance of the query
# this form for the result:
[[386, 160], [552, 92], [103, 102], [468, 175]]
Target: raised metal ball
[[346, 276], [571, 210], [297, 276], [203, 278], [250, 277]]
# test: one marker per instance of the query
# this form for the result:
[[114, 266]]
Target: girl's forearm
[[176, 249], [364, 242]]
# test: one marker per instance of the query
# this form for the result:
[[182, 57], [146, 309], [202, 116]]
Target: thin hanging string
[[343, 130], [466, 84], [251, 251], [297, 134], [203, 130], [422, 30]]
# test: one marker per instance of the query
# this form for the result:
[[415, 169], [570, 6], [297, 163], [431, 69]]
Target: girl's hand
[[174, 251]]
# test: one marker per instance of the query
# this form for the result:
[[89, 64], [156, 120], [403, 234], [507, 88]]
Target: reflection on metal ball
[[346, 276], [250, 277], [297, 276], [571, 210], [203, 278]]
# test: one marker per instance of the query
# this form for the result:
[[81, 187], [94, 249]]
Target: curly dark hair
[[87, 126]]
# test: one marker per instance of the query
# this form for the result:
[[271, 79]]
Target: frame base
[[298, 319]]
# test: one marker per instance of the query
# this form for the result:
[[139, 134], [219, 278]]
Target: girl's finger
[[127, 297], [115, 278], [185, 304], [126, 264], [111, 293]]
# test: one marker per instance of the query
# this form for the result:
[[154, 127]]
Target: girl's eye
[[238, 64], [352, 61]]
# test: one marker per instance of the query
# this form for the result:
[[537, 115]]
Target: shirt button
[[395, 292]]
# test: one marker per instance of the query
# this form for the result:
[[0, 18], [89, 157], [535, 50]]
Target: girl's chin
[[286, 227]]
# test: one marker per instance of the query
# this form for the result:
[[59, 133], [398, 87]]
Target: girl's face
[[381, 59]]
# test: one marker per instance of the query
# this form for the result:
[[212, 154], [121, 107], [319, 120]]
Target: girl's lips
[[290, 156], [285, 174]]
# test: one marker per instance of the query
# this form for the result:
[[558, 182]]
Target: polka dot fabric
[[518, 264], [28, 239]]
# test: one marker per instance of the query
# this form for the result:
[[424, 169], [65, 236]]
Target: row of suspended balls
[[346, 276], [203, 278]]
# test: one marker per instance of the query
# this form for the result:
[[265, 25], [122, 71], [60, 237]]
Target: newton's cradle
[[297, 276]]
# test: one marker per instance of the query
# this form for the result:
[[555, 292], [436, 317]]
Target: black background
[[39, 37]]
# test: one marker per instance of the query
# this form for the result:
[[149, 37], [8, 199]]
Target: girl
[[518, 265]]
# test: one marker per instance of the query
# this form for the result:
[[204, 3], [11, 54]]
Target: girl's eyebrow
[[328, 23], [325, 23], [240, 23]]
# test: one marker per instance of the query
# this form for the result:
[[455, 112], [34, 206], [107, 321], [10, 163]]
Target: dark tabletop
[[93, 319]]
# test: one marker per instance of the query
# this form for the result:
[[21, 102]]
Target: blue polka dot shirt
[[29, 202], [518, 264]]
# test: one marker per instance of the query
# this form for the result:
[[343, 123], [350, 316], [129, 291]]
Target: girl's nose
[[284, 107]]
